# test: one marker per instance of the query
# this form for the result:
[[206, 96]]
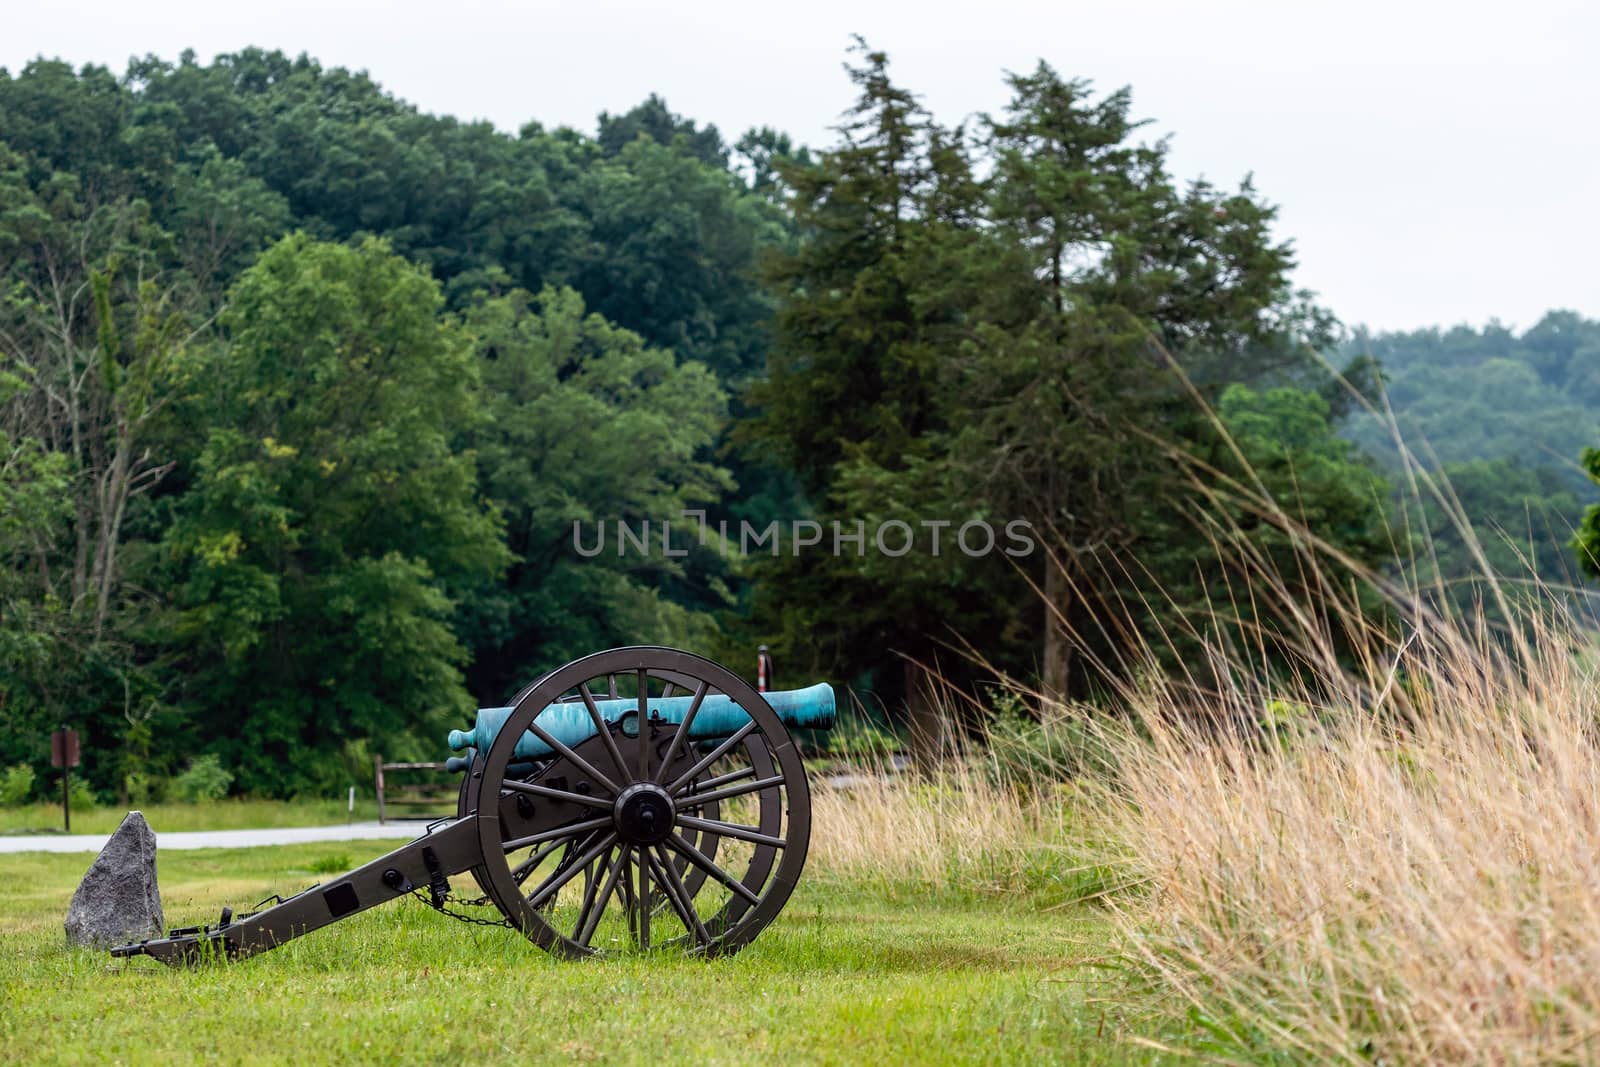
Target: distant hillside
[[1466, 394], [1506, 415]]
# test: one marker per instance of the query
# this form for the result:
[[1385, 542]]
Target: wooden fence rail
[[437, 795]]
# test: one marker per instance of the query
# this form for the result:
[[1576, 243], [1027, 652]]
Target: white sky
[[1434, 163]]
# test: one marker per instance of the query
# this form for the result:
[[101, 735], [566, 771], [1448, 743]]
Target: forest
[[304, 393]]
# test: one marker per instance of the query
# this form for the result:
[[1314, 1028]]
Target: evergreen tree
[[1011, 339], [586, 426], [865, 314]]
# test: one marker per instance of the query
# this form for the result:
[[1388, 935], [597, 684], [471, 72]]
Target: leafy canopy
[[332, 528]]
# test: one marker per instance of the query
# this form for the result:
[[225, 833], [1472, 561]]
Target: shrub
[[16, 785], [83, 796], [1026, 752], [204, 780], [143, 789], [861, 740]]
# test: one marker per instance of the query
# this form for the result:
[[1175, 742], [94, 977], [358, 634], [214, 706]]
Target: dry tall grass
[[1389, 853], [1395, 863], [1415, 879], [961, 831]]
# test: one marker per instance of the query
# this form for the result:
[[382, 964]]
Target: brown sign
[[64, 748]]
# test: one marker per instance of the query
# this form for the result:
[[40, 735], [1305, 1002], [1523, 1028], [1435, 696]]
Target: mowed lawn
[[846, 974], [230, 814]]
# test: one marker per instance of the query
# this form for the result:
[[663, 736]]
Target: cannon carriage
[[633, 799]]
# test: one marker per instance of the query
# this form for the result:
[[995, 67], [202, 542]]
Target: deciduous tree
[[333, 525]]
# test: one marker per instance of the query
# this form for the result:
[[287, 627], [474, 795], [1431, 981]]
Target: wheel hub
[[644, 814]]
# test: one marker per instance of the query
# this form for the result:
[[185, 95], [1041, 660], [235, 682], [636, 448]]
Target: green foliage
[[34, 508], [1462, 394], [1283, 442], [205, 780], [1269, 474], [849, 359], [674, 246], [586, 425], [1496, 531], [143, 789], [94, 344], [16, 785], [1009, 326], [338, 863], [150, 197], [222, 216], [82, 795], [654, 121], [1499, 419], [1587, 538], [860, 740], [302, 391], [646, 219], [331, 527], [870, 311], [1030, 752]]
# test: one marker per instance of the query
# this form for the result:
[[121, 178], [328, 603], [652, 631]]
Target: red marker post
[[763, 670], [64, 754]]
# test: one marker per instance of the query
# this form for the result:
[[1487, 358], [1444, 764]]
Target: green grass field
[[846, 974], [230, 814]]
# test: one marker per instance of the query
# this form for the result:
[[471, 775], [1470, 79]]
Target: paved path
[[290, 835]]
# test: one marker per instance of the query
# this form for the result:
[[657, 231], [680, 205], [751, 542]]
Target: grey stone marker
[[118, 901]]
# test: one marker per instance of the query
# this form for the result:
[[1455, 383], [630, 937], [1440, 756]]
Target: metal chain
[[470, 920]]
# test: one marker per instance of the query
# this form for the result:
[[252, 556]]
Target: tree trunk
[[930, 734], [1057, 641]]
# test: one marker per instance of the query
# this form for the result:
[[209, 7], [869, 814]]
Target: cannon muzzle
[[718, 717]]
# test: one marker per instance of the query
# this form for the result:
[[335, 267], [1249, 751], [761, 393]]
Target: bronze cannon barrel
[[811, 708]]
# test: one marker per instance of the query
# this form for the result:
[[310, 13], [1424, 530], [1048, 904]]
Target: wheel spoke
[[591, 890], [724, 779], [571, 829], [644, 738], [555, 794], [553, 884], [521, 870], [582, 875], [604, 731], [682, 900], [644, 899], [586, 931], [699, 859], [711, 757], [733, 830], [732, 791], [682, 733], [576, 760]]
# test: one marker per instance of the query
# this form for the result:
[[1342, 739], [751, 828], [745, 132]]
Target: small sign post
[[64, 754]]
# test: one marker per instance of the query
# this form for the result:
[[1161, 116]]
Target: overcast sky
[[1434, 163]]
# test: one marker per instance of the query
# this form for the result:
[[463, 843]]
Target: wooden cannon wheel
[[693, 877], [691, 843]]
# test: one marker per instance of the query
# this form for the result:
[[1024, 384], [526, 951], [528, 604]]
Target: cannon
[[634, 799]]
